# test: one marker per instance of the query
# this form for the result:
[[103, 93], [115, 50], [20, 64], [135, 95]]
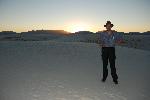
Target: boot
[[115, 81], [103, 80]]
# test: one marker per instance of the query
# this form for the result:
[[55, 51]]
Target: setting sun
[[77, 27]]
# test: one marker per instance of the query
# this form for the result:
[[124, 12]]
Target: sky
[[74, 15]]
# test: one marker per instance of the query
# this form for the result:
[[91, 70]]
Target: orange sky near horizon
[[74, 15]]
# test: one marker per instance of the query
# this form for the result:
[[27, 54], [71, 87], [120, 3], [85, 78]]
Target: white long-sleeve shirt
[[110, 40]]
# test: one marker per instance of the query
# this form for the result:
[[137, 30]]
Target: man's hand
[[120, 42]]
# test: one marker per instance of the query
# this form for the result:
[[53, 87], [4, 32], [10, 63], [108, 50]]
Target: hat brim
[[107, 24]]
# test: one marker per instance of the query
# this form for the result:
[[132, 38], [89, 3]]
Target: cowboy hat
[[108, 22]]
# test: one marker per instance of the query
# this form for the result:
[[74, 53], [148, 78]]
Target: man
[[108, 39]]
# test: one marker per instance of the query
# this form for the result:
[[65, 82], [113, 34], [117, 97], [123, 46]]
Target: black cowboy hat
[[108, 22]]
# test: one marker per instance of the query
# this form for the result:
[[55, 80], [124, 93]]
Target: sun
[[77, 27]]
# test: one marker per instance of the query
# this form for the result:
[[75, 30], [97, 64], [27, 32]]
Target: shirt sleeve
[[118, 36]]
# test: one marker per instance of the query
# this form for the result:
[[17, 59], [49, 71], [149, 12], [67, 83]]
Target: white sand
[[70, 71]]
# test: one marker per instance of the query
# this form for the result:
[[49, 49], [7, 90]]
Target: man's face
[[108, 26]]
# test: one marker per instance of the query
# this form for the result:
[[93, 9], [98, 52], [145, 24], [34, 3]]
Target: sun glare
[[77, 27]]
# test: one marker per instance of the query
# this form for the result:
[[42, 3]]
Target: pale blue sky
[[24, 15]]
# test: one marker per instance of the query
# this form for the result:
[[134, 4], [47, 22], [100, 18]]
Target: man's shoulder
[[106, 31], [114, 31]]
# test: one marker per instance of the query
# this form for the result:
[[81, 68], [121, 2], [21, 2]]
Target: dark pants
[[108, 54]]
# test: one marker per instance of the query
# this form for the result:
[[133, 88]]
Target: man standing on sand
[[108, 39]]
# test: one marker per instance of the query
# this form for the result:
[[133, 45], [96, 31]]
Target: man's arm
[[119, 39]]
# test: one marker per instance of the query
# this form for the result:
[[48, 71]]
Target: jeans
[[108, 54]]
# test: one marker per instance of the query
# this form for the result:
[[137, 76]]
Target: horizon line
[[65, 31]]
